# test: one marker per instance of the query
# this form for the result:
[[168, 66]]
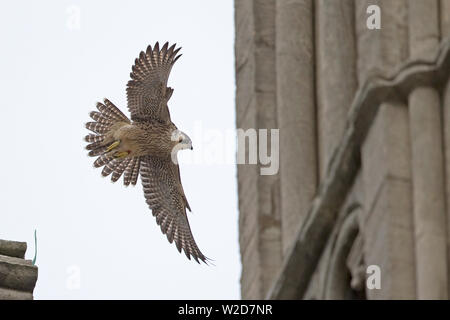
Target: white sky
[[51, 76]]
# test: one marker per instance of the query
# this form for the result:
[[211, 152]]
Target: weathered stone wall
[[17, 275], [259, 228], [364, 119]]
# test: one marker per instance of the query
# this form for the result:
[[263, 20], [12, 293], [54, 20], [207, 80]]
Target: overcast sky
[[96, 239]]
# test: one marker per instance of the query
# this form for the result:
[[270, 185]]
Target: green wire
[[35, 248]]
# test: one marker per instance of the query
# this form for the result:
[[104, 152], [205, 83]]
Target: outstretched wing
[[165, 196], [147, 91]]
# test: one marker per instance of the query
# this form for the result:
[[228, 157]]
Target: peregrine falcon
[[147, 145]]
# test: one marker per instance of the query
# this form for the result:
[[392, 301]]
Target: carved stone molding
[[302, 257]]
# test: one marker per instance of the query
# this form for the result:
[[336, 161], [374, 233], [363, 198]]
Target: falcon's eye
[[180, 140]]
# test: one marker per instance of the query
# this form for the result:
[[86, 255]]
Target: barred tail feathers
[[103, 119]]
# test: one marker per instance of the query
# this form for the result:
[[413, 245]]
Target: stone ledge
[[20, 276], [10, 294], [13, 248], [14, 260], [303, 255], [17, 275]]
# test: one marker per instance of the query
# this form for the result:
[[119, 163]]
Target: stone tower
[[360, 207]]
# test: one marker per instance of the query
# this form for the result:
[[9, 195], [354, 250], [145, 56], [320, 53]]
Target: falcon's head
[[182, 140]]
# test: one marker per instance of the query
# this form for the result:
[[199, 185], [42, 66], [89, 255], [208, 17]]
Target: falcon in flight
[[147, 145]]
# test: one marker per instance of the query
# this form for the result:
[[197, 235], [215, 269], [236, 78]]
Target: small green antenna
[[35, 248]]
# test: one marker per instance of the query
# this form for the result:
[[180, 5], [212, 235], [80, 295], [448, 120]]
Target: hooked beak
[[192, 148]]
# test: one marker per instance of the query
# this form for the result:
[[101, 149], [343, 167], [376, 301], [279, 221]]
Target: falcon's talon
[[120, 155], [113, 145]]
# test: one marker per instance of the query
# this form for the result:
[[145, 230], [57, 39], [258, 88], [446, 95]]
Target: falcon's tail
[[104, 119]]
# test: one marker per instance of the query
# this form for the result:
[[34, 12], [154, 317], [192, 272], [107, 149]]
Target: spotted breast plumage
[[146, 145]]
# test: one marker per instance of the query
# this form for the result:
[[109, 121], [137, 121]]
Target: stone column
[[427, 160], [296, 112], [381, 51], [259, 213], [268, 185], [387, 229], [335, 73], [445, 19], [446, 122], [246, 117], [445, 35]]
